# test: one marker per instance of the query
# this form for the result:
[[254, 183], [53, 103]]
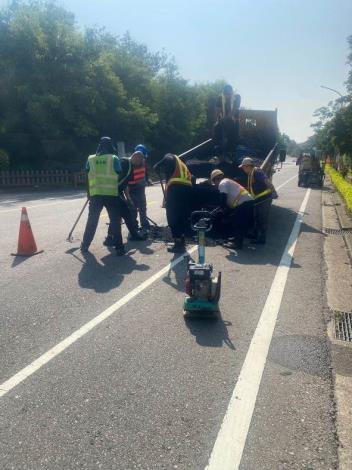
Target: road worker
[[103, 170], [142, 148], [239, 204], [125, 205], [136, 189], [226, 128], [263, 192], [178, 197]]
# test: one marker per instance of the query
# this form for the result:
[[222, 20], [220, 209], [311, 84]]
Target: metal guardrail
[[26, 178]]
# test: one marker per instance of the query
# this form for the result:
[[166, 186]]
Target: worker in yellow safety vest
[[103, 169], [239, 207], [263, 192], [178, 197]]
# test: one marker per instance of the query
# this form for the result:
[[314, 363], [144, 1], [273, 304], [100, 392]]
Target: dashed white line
[[284, 184], [230, 442], [23, 374]]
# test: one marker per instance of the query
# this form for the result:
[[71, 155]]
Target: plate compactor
[[202, 288]]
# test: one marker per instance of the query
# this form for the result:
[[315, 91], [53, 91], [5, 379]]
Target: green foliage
[[333, 128], [66, 88], [4, 160], [344, 188], [62, 88]]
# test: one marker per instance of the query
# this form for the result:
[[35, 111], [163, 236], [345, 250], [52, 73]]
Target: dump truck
[[257, 137]]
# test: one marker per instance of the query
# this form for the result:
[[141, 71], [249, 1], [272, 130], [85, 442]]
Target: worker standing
[[103, 170], [125, 206], [136, 189], [142, 148], [177, 198], [239, 204], [263, 192], [226, 127]]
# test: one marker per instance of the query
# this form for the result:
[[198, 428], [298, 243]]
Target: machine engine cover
[[200, 272]]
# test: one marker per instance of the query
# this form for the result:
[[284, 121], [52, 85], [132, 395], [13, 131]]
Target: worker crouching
[[178, 197], [239, 207], [263, 192]]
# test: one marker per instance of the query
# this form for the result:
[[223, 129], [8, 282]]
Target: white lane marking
[[50, 204], [83, 330], [230, 442], [41, 205], [283, 184], [78, 199]]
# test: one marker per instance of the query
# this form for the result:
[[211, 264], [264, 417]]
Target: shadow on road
[[281, 223], [176, 275], [108, 273], [210, 332]]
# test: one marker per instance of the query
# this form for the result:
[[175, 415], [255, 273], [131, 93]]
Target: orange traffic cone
[[26, 242]]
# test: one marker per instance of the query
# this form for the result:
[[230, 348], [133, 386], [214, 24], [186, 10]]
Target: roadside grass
[[343, 187]]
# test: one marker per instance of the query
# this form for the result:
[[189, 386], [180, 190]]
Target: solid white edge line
[[231, 439], [64, 344]]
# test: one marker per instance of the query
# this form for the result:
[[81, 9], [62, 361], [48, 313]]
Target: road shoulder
[[338, 256]]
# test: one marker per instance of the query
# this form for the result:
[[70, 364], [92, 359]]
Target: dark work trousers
[[96, 204], [125, 213], [137, 194], [178, 208], [241, 220], [261, 217]]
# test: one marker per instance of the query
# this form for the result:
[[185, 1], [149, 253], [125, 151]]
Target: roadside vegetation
[[344, 188], [63, 87], [333, 127]]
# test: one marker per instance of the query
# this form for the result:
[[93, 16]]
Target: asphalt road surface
[[99, 369]]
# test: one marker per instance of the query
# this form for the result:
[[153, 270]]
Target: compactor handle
[[201, 220]]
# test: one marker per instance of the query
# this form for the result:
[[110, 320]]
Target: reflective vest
[[181, 175], [138, 175], [255, 188], [102, 178], [242, 192]]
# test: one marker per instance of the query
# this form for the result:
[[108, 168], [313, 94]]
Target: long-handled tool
[[202, 289], [69, 238]]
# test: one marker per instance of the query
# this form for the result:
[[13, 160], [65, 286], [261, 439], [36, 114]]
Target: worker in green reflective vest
[[103, 170]]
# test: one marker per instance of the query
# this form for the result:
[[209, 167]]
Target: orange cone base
[[27, 255]]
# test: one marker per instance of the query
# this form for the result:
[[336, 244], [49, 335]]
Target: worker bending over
[[263, 192], [239, 204], [178, 197], [103, 170], [136, 189]]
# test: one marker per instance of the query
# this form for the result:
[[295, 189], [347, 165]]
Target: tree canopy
[[333, 127], [63, 87]]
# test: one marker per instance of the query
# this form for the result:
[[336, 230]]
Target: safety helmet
[[227, 90], [141, 148]]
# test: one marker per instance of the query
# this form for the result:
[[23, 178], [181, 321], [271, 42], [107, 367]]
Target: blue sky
[[276, 53]]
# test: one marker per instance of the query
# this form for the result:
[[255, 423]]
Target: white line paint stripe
[[230, 442], [52, 204], [42, 205], [60, 347], [284, 184]]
